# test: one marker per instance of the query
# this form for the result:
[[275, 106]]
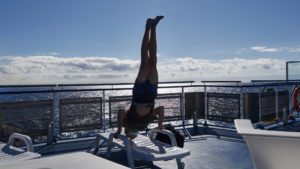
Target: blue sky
[[76, 41]]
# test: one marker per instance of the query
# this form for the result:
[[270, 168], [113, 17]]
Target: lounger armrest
[[121, 137], [167, 132], [25, 138]]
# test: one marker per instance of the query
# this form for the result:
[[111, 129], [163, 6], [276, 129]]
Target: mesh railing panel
[[80, 114], [283, 102], [116, 103], [268, 102], [194, 101], [171, 103], [268, 105], [223, 106], [27, 117]]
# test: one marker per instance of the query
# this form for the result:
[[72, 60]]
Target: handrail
[[119, 84], [224, 81], [259, 81], [293, 62], [79, 90], [161, 87], [89, 84]]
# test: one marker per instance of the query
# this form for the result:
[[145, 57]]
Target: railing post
[[287, 71], [205, 105], [182, 106], [50, 137], [241, 103], [291, 89], [259, 104], [55, 104], [182, 102], [103, 111], [276, 101], [285, 111], [195, 119]]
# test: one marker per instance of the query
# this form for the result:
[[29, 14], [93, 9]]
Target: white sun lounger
[[270, 149], [10, 154], [145, 148]]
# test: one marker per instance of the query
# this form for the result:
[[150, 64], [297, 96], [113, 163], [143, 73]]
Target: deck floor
[[207, 152], [210, 149]]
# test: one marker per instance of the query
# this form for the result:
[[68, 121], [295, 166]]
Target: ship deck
[[211, 148]]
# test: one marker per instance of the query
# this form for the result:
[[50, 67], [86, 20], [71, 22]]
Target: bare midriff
[[142, 111]]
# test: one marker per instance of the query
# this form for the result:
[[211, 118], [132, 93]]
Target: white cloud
[[294, 50], [265, 49], [40, 64], [52, 69], [224, 69]]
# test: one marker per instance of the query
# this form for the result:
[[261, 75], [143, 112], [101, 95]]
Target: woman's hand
[[160, 127], [121, 116], [160, 112], [116, 134]]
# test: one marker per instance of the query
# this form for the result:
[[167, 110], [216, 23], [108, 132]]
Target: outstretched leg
[[153, 75], [144, 66]]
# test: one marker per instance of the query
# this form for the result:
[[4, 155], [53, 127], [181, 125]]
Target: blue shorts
[[144, 92]]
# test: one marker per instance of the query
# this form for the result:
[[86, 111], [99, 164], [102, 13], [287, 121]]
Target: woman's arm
[[160, 112], [121, 116]]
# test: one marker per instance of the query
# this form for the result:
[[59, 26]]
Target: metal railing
[[243, 98]]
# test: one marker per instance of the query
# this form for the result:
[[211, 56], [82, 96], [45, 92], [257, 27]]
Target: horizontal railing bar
[[257, 81], [272, 84], [89, 84], [248, 85], [15, 121], [161, 87], [293, 62], [224, 81], [119, 84], [15, 86], [78, 90]]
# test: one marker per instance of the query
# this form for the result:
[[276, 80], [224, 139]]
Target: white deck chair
[[10, 154], [145, 148]]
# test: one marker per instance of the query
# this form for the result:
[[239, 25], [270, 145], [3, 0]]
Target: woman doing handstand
[[141, 111]]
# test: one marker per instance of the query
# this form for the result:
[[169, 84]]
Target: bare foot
[[157, 19], [149, 23]]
